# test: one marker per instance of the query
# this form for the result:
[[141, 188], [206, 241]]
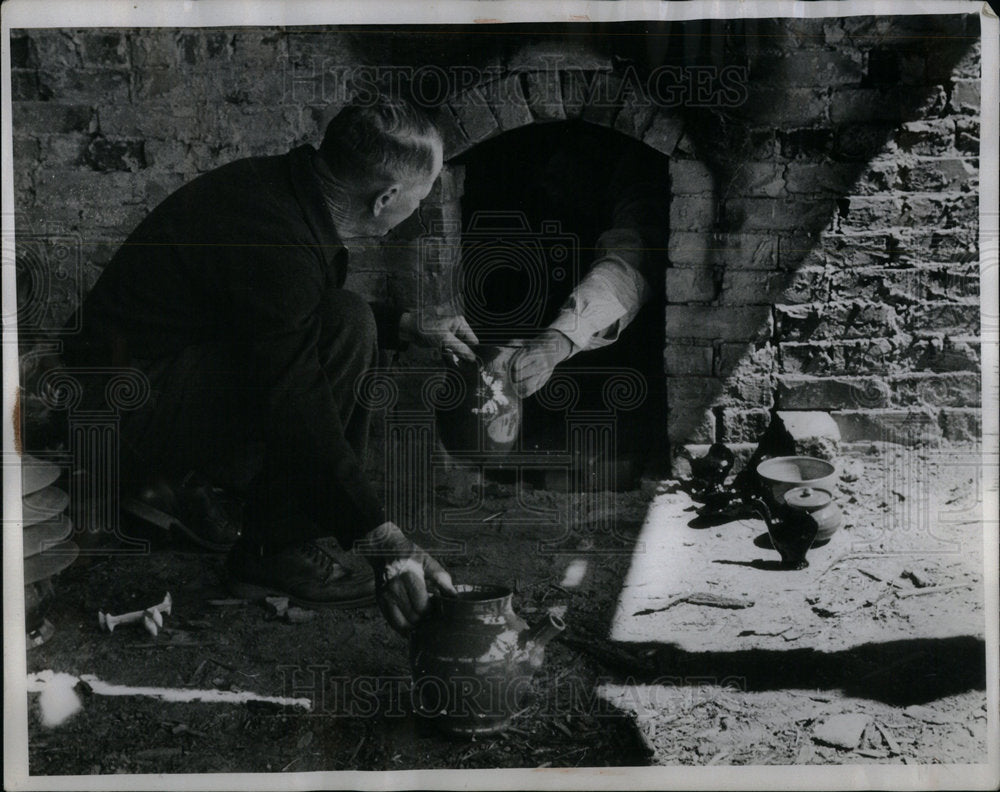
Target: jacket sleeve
[[628, 262], [306, 449]]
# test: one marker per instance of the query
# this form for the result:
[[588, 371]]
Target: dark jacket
[[243, 253]]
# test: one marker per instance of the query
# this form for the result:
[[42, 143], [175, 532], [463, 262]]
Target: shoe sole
[[256, 592], [168, 523]]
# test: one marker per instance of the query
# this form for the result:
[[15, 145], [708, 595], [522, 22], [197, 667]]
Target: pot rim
[[491, 593]]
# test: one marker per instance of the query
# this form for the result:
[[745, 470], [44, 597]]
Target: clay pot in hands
[[479, 416], [473, 658]]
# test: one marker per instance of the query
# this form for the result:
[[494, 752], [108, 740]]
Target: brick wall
[[824, 240], [823, 247]]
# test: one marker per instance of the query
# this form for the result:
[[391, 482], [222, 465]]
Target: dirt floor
[[886, 628]]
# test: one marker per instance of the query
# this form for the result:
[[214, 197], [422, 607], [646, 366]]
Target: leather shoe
[[306, 573], [193, 508]]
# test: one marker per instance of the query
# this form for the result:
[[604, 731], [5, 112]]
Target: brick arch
[[527, 97]]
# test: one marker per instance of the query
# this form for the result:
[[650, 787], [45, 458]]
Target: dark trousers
[[206, 413]]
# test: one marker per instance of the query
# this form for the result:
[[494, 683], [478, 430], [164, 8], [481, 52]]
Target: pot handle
[[544, 631]]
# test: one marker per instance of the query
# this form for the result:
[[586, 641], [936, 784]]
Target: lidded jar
[[819, 503]]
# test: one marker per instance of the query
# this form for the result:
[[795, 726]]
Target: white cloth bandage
[[609, 296], [396, 568]]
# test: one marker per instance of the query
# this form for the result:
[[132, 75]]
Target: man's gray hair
[[378, 142]]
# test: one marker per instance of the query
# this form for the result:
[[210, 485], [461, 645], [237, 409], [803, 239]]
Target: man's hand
[[438, 326], [402, 570], [532, 363]]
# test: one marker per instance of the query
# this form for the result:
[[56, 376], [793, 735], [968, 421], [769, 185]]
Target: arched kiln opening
[[536, 200]]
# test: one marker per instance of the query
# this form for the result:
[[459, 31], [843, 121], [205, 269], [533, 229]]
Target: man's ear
[[384, 199]]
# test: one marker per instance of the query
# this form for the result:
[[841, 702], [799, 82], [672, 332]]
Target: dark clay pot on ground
[[473, 658]]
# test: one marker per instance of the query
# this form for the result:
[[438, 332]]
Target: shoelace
[[326, 562]]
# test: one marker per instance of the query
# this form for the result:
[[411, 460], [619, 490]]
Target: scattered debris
[[152, 621], [851, 470], [933, 590], [299, 615], [918, 578], [927, 715], [701, 598], [887, 736], [277, 606], [841, 731], [761, 633], [151, 617]]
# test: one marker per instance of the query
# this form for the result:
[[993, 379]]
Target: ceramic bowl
[[783, 473]]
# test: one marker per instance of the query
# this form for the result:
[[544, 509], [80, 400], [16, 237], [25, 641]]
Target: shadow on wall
[[796, 198]]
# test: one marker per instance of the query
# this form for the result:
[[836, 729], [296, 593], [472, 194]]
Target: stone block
[[452, 135], [804, 143], [810, 429], [575, 85], [779, 214], [936, 174], [664, 133], [905, 427], [746, 389], [967, 136], [687, 426], [962, 425], [691, 177], [105, 49], [758, 179], [51, 117], [692, 213], [736, 323], [837, 321], [152, 48], [63, 151], [635, 116], [953, 389], [782, 107], [890, 104], [685, 285], [796, 392], [737, 425], [950, 318], [544, 95], [753, 287], [809, 68], [25, 87], [736, 360], [965, 96], [26, 150], [933, 137], [85, 84], [56, 48], [861, 142], [86, 189], [474, 114], [607, 91], [682, 359], [506, 99], [820, 178], [104, 154]]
